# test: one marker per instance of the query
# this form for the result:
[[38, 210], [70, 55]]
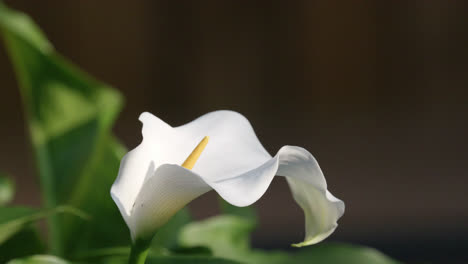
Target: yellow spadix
[[193, 157]]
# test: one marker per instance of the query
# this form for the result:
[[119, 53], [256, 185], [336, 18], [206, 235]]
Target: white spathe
[[152, 186]]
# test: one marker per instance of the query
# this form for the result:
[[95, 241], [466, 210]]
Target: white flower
[[151, 186]]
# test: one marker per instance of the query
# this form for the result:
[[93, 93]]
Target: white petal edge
[[172, 187]]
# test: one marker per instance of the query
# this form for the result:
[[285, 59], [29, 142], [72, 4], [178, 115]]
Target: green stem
[[139, 252]]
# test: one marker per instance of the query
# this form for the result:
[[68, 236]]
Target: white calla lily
[[151, 186]]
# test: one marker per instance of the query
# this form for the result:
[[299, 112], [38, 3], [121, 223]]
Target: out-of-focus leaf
[[39, 259], [17, 237], [188, 260], [104, 255], [341, 253], [70, 116], [120, 256], [23, 243], [170, 260], [192, 251], [166, 237], [106, 227], [14, 219], [247, 212], [7, 189], [228, 237]]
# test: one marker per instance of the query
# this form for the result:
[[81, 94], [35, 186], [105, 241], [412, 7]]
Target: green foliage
[[16, 230], [247, 212], [188, 260], [39, 259], [166, 237], [50, 259], [341, 253], [7, 189], [228, 237], [169, 259], [23, 243], [14, 219], [70, 116]]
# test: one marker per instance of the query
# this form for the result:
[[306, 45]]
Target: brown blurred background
[[375, 90]]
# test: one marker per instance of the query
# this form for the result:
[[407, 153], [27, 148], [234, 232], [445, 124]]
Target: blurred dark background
[[376, 90]]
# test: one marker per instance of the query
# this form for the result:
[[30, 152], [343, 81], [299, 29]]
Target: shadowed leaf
[[7, 189], [14, 219], [39, 259], [23, 243], [228, 237], [70, 116]]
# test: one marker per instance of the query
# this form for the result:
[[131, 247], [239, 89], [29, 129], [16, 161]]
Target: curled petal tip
[[144, 116]]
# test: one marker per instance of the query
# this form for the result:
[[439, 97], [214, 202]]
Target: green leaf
[[39, 259], [228, 237], [247, 212], [169, 260], [122, 253], [188, 260], [103, 255], [192, 251], [166, 237], [14, 219], [7, 189], [120, 256], [17, 237], [106, 227], [69, 116], [341, 253], [23, 243]]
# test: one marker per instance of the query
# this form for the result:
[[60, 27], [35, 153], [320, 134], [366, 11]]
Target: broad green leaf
[[228, 237], [23, 243], [247, 212], [341, 253], [192, 251], [70, 116], [188, 260], [106, 227], [17, 237], [120, 256], [169, 260], [14, 219], [7, 189], [166, 237], [39, 259], [121, 253]]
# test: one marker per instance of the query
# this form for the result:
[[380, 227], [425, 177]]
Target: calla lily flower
[[152, 185]]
